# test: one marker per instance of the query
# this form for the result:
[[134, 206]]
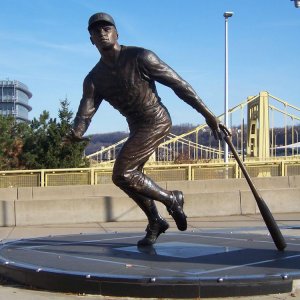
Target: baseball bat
[[263, 208]]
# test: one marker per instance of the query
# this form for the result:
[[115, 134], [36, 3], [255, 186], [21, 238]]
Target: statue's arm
[[159, 71], [153, 67], [87, 108]]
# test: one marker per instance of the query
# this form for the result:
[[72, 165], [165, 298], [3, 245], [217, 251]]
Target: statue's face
[[104, 36]]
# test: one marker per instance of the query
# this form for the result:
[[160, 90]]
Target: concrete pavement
[[289, 223]]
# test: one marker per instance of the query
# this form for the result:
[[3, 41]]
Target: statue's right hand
[[72, 137]]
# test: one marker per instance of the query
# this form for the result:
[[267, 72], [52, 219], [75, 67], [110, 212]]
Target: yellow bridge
[[257, 141], [183, 157]]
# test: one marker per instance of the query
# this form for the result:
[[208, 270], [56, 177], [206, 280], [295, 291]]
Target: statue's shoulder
[[135, 51], [96, 70], [88, 78], [147, 56]]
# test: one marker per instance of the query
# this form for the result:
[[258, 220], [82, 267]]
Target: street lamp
[[297, 3], [226, 16]]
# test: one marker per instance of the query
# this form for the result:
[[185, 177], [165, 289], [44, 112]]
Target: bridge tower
[[258, 143]]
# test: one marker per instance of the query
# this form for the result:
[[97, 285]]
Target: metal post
[[243, 138], [226, 15], [296, 131], [293, 136]]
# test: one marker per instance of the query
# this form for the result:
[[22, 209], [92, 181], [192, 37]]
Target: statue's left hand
[[225, 130]]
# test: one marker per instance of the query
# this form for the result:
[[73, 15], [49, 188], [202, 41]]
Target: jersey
[[129, 87]]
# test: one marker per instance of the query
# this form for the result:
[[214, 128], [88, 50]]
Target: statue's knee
[[116, 179], [120, 179], [128, 179]]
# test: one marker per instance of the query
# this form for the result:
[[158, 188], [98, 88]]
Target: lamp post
[[297, 3], [226, 16]]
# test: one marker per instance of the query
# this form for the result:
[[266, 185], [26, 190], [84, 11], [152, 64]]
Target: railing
[[170, 172]]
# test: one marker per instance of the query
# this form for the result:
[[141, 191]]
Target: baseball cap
[[101, 17]]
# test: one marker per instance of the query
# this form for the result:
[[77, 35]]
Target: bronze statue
[[125, 77]]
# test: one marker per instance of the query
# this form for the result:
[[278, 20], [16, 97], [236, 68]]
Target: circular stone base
[[179, 265]]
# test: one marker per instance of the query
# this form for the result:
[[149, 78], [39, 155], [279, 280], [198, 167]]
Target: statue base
[[192, 264]]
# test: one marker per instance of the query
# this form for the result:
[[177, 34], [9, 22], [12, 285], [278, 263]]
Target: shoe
[[153, 231], [147, 249], [176, 210]]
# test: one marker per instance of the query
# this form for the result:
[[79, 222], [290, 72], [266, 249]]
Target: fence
[[180, 172]]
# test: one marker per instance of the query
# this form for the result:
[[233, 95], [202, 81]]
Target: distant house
[[14, 99]]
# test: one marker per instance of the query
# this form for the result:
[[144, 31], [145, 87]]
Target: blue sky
[[45, 44]]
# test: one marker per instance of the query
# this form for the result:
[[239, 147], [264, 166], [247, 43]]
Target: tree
[[44, 147], [71, 155], [11, 142]]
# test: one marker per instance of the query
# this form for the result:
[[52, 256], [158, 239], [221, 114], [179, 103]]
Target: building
[[14, 98]]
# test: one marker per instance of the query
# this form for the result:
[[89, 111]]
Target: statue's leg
[[140, 184], [127, 173], [156, 223]]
